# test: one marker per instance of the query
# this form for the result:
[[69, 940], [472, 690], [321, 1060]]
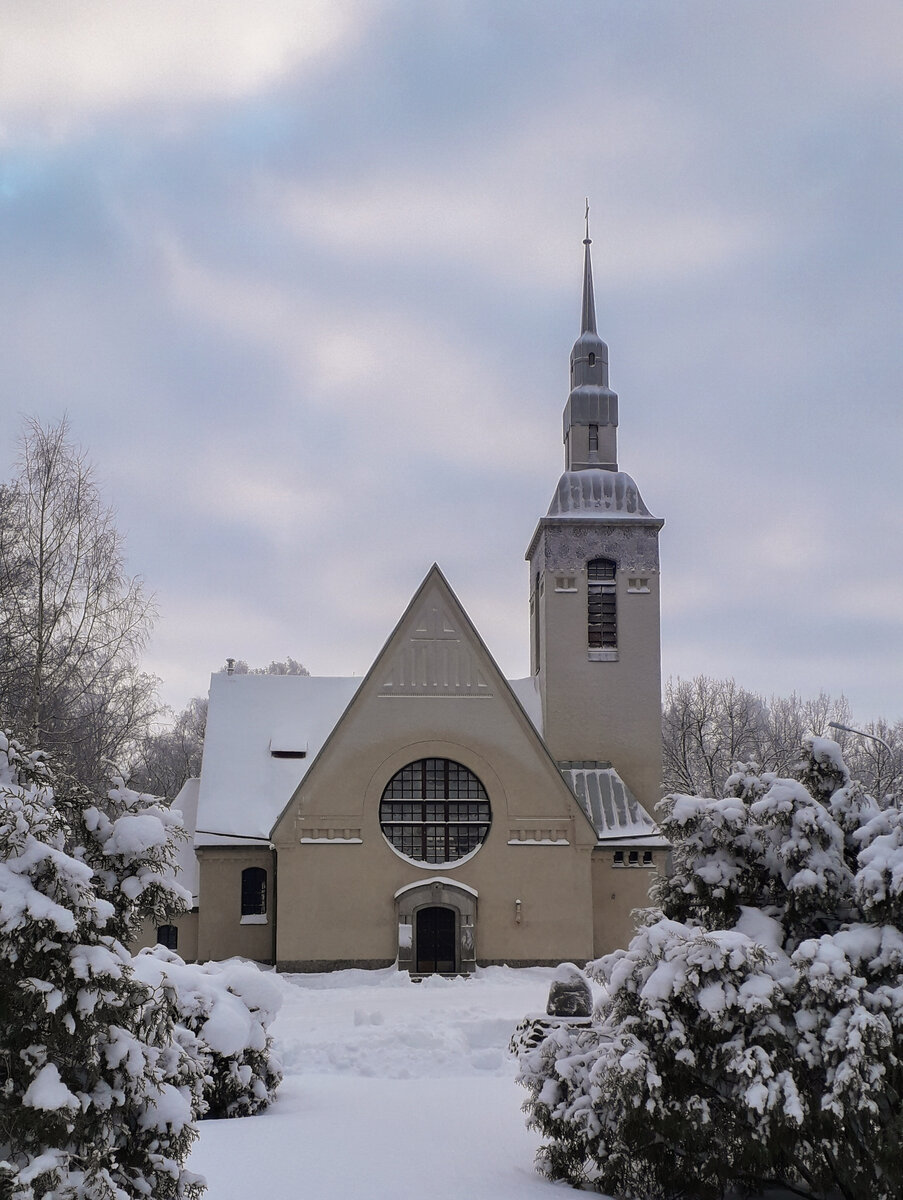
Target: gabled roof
[[243, 786]]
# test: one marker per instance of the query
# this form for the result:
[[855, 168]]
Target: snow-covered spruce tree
[[223, 1009], [228, 1007], [753, 1030], [97, 1082]]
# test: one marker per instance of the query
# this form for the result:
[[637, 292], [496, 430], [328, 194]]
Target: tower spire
[[588, 316], [591, 413]]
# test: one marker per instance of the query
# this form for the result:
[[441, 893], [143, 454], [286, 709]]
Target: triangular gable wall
[[435, 651], [437, 658]]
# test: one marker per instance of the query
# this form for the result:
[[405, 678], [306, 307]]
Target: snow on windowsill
[[254, 919], [434, 866]]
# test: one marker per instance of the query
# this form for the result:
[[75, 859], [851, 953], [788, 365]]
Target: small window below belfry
[[592, 359], [565, 583], [618, 858], [594, 438], [638, 585]]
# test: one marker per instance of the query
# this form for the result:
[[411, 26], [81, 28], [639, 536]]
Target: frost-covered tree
[[228, 1007], [282, 666], [753, 1030], [710, 724], [98, 1080], [165, 758], [72, 621]]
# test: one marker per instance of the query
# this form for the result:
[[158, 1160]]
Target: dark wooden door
[[436, 941]]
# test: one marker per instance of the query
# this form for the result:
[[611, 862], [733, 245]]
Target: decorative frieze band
[[569, 548], [330, 834]]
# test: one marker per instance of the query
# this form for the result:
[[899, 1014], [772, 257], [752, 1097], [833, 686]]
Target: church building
[[434, 814]]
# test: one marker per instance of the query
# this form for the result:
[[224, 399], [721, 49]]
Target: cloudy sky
[[305, 275]]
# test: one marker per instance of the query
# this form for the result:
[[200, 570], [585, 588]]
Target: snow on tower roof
[[613, 493], [615, 812], [263, 732]]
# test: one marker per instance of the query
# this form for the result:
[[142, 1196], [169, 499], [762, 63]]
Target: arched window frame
[[602, 608], [253, 895]]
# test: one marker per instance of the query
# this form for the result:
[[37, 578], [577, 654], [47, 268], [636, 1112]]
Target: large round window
[[435, 811]]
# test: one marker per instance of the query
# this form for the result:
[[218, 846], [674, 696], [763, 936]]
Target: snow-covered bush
[[753, 1030], [228, 1008], [97, 1083]]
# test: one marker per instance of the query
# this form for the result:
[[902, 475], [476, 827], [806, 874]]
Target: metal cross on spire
[[587, 240]]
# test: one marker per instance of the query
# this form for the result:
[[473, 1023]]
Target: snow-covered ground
[[391, 1089]]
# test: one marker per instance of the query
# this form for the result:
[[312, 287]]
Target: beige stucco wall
[[187, 926], [617, 891], [221, 933], [608, 711], [336, 898], [336, 901]]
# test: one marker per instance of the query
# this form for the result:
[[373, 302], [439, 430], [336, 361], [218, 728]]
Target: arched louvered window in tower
[[253, 892], [602, 605]]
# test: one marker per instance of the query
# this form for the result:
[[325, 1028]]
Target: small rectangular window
[[253, 891], [637, 585], [634, 858], [618, 858], [594, 437], [647, 858], [168, 936]]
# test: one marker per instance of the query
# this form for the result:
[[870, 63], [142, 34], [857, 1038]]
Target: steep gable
[[434, 681], [437, 655]]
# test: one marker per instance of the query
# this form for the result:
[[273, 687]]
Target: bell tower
[[595, 645]]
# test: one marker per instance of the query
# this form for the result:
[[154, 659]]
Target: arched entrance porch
[[436, 922]]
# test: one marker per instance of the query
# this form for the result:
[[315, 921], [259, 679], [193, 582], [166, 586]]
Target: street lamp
[[861, 733]]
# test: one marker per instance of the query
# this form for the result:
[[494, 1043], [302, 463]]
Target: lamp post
[[861, 733], [892, 758]]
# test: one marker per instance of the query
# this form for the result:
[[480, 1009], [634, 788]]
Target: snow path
[[391, 1089]]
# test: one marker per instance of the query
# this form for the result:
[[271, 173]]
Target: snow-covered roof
[[258, 729], [186, 861], [615, 812], [593, 490], [263, 732]]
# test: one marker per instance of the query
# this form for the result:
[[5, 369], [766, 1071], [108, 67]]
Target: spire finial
[[588, 316]]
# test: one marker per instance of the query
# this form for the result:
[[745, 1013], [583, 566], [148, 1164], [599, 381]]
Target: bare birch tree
[[72, 621], [710, 724]]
